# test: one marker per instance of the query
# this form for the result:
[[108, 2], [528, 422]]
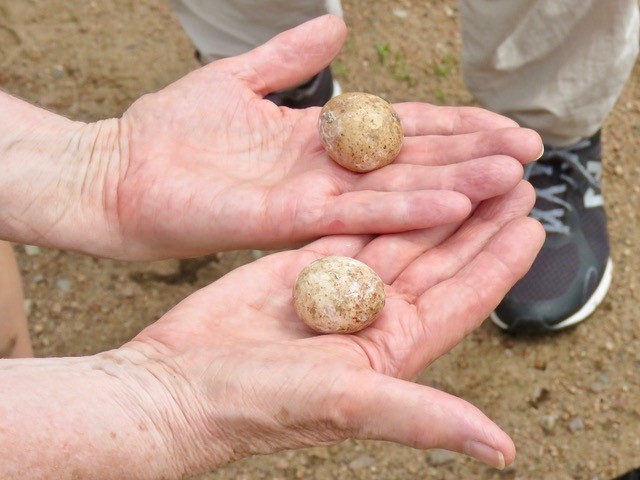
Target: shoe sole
[[587, 309], [337, 89]]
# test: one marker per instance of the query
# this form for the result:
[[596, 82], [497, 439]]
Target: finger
[[438, 265], [477, 179], [395, 410], [460, 304], [520, 143], [412, 263], [385, 212], [343, 245], [290, 58], [425, 119]]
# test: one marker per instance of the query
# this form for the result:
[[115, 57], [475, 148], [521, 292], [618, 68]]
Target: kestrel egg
[[360, 131], [338, 295]]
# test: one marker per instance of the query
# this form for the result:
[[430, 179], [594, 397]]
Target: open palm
[[255, 379], [210, 165]]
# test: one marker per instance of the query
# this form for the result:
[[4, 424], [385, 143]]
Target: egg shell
[[360, 131], [338, 295]]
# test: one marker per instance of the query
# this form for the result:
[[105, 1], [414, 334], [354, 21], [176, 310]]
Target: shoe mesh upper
[[572, 262]]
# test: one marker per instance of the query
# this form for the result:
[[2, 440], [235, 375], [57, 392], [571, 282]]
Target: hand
[[245, 376], [208, 165], [231, 371]]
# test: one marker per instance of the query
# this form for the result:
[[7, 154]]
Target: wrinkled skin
[[252, 378], [206, 164]]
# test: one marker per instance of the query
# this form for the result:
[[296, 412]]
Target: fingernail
[[541, 153], [485, 454]]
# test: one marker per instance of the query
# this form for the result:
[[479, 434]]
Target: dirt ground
[[571, 401]]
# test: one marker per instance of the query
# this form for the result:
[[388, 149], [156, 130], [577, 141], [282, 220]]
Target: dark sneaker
[[572, 273], [314, 93], [631, 475]]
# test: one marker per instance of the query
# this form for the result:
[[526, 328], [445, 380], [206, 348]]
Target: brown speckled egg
[[360, 131], [338, 295]]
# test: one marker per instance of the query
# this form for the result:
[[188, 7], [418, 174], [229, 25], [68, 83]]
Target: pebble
[[576, 424], [64, 285], [449, 12], [400, 12], [31, 250], [163, 267], [28, 306], [548, 423], [58, 71], [362, 462]]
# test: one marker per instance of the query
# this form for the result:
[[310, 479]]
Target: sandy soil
[[570, 401]]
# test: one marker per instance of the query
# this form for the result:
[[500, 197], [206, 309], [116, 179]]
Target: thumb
[[290, 58], [422, 417]]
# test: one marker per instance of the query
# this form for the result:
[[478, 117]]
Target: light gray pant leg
[[226, 28], [557, 66]]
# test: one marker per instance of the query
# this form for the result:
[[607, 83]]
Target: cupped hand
[[207, 164], [248, 377]]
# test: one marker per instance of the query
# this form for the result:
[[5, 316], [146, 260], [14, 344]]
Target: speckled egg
[[338, 295], [360, 131]]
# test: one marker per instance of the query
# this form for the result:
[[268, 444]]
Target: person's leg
[[220, 29], [14, 332], [559, 68], [556, 67]]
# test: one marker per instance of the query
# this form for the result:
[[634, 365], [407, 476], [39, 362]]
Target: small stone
[[449, 12], [548, 423], [31, 250], [37, 278], [322, 453], [28, 306], [362, 462], [539, 395], [164, 268], [58, 71], [540, 364], [439, 457], [64, 285], [576, 424], [400, 12]]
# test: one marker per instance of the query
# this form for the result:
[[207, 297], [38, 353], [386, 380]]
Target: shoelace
[[564, 158]]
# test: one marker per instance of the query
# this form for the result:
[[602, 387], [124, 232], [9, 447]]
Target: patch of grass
[[394, 63], [339, 68], [444, 67], [440, 94]]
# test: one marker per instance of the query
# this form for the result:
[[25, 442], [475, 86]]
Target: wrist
[[55, 186], [105, 415], [192, 442]]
